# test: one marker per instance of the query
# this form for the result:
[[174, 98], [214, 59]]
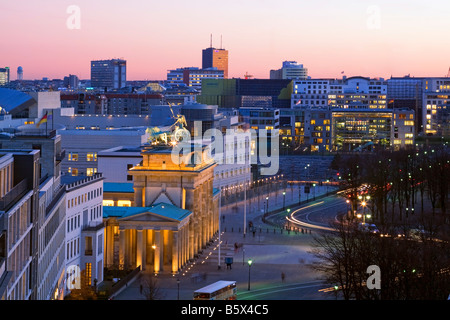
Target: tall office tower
[[215, 58], [20, 73], [4, 76], [109, 74]]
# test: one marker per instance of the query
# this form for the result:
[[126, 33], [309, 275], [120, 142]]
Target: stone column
[[121, 247], [139, 249], [157, 259], [109, 248], [191, 241], [175, 252], [185, 244], [144, 249], [150, 256]]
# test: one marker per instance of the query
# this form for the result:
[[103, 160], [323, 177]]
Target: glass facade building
[[354, 129], [4, 76], [108, 74]]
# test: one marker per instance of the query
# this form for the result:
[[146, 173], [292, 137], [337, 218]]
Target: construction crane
[[247, 76]]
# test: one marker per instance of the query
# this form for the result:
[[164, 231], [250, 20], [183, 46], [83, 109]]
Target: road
[[318, 214], [305, 290]]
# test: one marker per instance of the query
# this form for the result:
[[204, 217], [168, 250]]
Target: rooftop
[[13, 101], [123, 187], [162, 209]]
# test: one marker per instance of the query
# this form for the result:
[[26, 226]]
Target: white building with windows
[[84, 232], [82, 147], [354, 92]]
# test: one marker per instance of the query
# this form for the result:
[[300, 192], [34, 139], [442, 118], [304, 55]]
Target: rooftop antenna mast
[[210, 43]]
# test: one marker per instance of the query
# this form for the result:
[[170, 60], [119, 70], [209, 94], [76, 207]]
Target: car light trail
[[304, 224]]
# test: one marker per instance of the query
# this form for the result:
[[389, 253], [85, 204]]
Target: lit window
[[108, 203], [91, 156], [124, 203], [73, 156], [91, 171]]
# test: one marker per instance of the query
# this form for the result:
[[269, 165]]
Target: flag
[[43, 119], [391, 101], [298, 102]]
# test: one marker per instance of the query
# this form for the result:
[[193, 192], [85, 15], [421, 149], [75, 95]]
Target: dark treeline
[[399, 183], [408, 200]]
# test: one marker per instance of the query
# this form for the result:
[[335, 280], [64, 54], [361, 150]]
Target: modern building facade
[[354, 92], [357, 130], [237, 93], [290, 70], [46, 244], [192, 76], [215, 58], [4, 76], [108, 74], [19, 192]]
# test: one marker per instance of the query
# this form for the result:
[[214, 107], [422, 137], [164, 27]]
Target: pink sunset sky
[[377, 38]]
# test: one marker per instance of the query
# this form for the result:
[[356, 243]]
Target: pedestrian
[[282, 276]]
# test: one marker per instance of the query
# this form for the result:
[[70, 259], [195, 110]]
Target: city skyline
[[359, 38]]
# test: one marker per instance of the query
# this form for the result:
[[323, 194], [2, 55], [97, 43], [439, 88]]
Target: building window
[[91, 171], [88, 274], [88, 246], [99, 244], [124, 203], [91, 156], [129, 176], [73, 156], [108, 203], [74, 172]]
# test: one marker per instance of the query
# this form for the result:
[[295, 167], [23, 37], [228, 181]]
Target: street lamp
[[267, 205], [249, 266], [284, 199], [314, 190]]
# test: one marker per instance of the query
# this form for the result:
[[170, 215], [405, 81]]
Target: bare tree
[[150, 288]]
